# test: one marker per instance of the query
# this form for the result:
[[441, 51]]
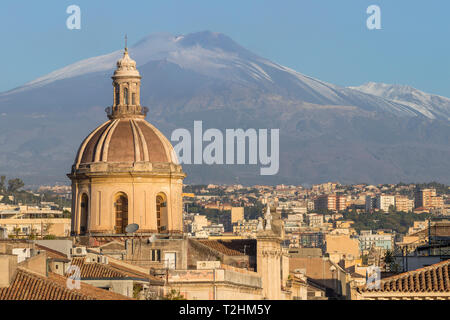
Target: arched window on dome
[[84, 213], [121, 212], [125, 96], [161, 212]]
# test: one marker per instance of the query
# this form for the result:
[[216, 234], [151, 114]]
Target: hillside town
[[330, 238]]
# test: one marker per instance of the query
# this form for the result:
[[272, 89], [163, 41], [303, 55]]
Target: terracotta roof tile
[[28, 285], [220, 247], [52, 253], [94, 270], [434, 278]]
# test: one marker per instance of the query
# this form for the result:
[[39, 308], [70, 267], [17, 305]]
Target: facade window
[[161, 215], [121, 208], [133, 99], [156, 255], [84, 213]]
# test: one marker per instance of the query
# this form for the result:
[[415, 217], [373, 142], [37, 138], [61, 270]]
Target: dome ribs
[[137, 143], [102, 148], [82, 152], [143, 141]]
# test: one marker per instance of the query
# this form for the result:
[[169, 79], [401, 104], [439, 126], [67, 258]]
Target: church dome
[[126, 171], [126, 140]]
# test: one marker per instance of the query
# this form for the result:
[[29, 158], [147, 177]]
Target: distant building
[[403, 203], [199, 222], [342, 247], [368, 239], [24, 227], [314, 219], [245, 227], [331, 202], [370, 203], [214, 229], [311, 240], [384, 202], [427, 199], [237, 214], [325, 202], [325, 187]]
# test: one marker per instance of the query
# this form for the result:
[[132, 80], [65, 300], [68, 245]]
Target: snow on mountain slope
[[217, 56], [328, 132], [431, 106]]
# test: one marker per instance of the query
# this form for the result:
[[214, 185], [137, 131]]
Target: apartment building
[[369, 239], [331, 202], [428, 199], [314, 220], [384, 202], [403, 203], [237, 214]]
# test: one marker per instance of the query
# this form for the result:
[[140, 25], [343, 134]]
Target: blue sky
[[326, 39]]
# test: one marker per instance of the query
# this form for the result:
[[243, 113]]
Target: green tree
[[14, 185], [46, 228], [16, 231], [137, 288], [174, 294], [2, 184]]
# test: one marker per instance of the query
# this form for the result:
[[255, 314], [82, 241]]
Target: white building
[[383, 202]]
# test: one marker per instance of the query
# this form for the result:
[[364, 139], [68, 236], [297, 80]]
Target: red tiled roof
[[94, 270], [218, 246], [52, 253], [133, 273], [434, 278], [28, 285]]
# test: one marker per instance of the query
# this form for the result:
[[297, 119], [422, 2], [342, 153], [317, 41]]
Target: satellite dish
[[132, 228]]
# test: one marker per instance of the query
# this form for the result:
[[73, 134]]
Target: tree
[[14, 185], [137, 289], [388, 257], [2, 184], [45, 228], [174, 294], [16, 231]]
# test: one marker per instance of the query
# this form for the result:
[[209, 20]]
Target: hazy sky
[[326, 39]]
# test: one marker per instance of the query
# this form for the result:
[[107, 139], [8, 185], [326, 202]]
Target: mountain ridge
[[327, 132]]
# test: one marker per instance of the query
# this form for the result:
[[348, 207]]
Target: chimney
[[8, 267]]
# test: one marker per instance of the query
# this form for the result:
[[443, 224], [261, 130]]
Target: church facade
[[126, 170]]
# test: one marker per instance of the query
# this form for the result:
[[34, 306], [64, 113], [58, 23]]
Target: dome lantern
[[126, 95]]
